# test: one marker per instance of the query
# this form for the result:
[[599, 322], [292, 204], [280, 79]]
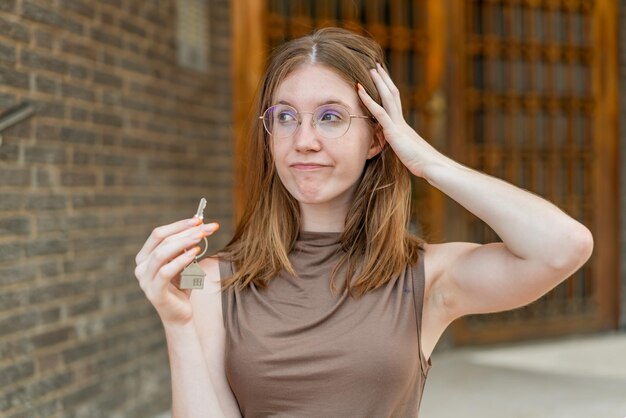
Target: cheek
[[278, 151], [353, 170], [279, 154], [350, 164], [359, 151]]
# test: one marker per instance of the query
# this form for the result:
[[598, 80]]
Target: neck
[[323, 217]]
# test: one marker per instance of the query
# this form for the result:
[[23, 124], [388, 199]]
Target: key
[[192, 277], [200, 211]]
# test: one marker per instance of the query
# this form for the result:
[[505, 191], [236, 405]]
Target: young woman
[[323, 304]]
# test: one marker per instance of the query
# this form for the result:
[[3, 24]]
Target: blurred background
[[117, 116]]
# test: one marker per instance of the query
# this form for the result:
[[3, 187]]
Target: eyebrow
[[325, 102]]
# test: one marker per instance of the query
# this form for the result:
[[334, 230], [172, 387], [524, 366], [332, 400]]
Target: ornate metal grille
[[530, 110]]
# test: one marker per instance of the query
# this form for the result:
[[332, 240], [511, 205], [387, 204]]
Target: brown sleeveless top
[[295, 350]]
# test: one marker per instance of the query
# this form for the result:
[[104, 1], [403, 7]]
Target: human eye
[[330, 115], [285, 116]]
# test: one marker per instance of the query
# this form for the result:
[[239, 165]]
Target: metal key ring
[[206, 246]]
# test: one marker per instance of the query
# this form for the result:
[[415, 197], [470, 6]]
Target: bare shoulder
[[211, 267], [464, 278], [437, 259], [432, 264], [439, 256]]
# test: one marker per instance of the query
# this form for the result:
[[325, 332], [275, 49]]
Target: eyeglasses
[[330, 121]]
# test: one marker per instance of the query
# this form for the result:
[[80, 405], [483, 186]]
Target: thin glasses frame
[[298, 114]]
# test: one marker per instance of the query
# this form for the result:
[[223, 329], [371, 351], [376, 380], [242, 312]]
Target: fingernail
[[210, 228], [358, 87], [194, 221]]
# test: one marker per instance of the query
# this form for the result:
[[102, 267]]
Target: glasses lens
[[280, 120], [331, 121]]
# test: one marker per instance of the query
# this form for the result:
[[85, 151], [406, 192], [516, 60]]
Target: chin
[[310, 200], [317, 194], [318, 198]]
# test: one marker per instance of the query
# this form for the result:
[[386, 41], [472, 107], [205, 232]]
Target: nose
[[305, 137]]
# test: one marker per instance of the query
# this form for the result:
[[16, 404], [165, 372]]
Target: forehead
[[312, 85]]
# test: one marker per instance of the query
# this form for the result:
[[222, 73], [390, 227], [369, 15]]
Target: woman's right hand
[[160, 262]]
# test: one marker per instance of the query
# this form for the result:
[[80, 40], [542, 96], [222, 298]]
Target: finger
[[171, 271], [160, 233], [388, 99], [206, 229], [377, 110], [176, 244], [164, 254], [390, 85]]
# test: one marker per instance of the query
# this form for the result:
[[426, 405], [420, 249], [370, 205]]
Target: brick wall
[[123, 140]]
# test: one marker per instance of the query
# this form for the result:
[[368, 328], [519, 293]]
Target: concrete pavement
[[568, 378]]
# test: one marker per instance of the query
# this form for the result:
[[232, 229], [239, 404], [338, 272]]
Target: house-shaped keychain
[[192, 277]]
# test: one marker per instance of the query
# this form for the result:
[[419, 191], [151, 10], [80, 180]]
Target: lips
[[307, 166]]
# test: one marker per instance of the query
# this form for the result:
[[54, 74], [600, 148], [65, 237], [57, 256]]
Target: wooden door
[[525, 90], [538, 107]]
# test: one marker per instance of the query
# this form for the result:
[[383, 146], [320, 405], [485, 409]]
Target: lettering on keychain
[[192, 277]]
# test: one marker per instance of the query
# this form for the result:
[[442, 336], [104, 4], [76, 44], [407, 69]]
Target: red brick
[[110, 154]]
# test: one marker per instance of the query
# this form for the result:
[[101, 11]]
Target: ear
[[378, 142]]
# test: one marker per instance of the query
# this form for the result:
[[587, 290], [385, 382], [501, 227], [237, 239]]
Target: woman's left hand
[[414, 152]]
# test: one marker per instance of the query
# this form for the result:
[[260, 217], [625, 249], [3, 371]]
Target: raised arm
[[541, 245]]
